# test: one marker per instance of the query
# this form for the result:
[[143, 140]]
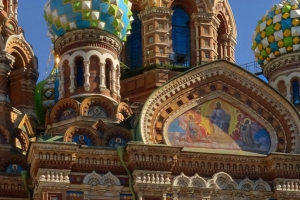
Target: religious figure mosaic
[[82, 139], [117, 142], [14, 169], [67, 114], [97, 111], [219, 125]]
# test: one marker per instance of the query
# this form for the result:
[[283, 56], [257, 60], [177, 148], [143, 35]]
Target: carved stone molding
[[95, 179], [88, 37], [53, 176]]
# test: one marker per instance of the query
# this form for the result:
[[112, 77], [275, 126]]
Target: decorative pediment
[[22, 122], [220, 181], [220, 105], [95, 179]]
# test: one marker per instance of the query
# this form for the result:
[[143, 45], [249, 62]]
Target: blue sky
[[246, 12]]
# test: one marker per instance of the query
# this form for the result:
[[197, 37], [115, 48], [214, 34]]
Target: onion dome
[[46, 94], [113, 16], [278, 32]]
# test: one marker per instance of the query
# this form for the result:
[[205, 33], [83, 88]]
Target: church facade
[[145, 102]]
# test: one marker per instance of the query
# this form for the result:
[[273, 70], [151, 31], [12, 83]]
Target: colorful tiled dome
[[46, 94], [113, 16], [278, 32]]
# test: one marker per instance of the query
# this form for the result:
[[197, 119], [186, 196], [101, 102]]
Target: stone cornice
[[290, 60], [93, 37], [155, 10], [232, 72], [178, 160]]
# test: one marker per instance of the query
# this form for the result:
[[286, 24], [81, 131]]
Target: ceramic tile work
[[126, 196], [278, 32], [74, 194], [113, 16]]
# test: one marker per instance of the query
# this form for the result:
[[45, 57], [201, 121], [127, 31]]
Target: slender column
[[225, 49], [197, 42], [1, 5], [288, 91], [72, 78], [10, 7], [4, 70], [61, 83], [118, 87], [164, 196], [113, 82], [16, 9], [102, 85], [87, 75]]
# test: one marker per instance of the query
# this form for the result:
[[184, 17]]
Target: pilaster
[[72, 78], [157, 45], [87, 75]]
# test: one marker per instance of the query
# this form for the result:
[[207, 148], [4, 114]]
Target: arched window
[[296, 96], [180, 37], [133, 58], [79, 72], [221, 31], [108, 73]]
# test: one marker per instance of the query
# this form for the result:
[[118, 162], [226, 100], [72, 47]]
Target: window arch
[[108, 73], [181, 37], [296, 96], [221, 31], [134, 55], [79, 71]]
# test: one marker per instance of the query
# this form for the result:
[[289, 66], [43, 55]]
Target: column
[[61, 83], [197, 43], [225, 49], [87, 75], [102, 85], [288, 91], [113, 82], [1, 5], [10, 6], [118, 83], [140, 196], [72, 78], [4, 71], [16, 9]]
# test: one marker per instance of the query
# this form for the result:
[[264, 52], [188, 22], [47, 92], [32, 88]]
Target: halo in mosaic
[[113, 16], [278, 32]]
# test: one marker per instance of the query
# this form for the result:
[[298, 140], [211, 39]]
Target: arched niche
[[222, 29], [82, 136], [109, 70], [116, 132], [215, 122], [181, 36], [61, 108], [79, 71], [105, 107], [228, 82], [133, 47]]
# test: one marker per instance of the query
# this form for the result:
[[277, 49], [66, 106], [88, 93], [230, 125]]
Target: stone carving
[[286, 184], [249, 185], [95, 179], [220, 181], [53, 175], [151, 177]]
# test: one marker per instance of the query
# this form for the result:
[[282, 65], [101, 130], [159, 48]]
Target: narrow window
[[79, 72], [296, 99]]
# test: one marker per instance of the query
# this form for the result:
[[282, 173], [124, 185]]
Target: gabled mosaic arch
[[113, 16]]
